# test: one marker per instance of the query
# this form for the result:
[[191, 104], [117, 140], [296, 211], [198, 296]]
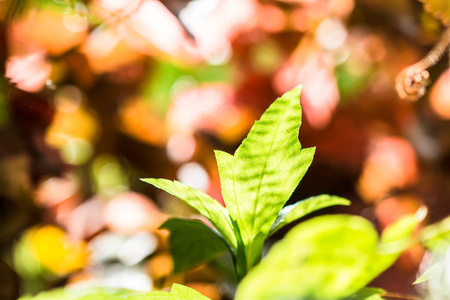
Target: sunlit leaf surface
[[179, 292], [318, 259], [327, 257], [264, 171]]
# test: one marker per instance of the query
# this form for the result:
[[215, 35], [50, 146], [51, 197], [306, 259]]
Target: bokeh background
[[99, 93]]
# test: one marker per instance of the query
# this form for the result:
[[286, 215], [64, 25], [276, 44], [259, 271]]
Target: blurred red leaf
[[313, 69]]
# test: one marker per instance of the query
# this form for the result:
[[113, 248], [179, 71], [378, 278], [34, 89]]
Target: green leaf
[[394, 240], [179, 292], [322, 258], [436, 237], [56, 294], [432, 272], [367, 294], [396, 237], [304, 207], [264, 171], [203, 203], [327, 257], [192, 243]]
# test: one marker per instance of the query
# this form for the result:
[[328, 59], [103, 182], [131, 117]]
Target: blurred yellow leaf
[[55, 251], [440, 9]]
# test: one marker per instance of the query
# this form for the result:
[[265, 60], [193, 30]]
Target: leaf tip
[[295, 92], [147, 180], [421, 214]]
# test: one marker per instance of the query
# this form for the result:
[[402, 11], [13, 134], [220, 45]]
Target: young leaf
[[179, 292], [304, 207], [396, 237], [192, 242], [203, 203], [264, 171], [436, 237], [394, 240], [327, 257], [432, 272], [322, 258]]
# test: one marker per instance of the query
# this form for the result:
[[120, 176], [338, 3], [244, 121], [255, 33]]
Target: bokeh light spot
[[331, 33], [180, 147], [76, 151], [194, 175], [67, 98]]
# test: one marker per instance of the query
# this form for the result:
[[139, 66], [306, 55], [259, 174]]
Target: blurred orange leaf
[[137, 120], [148, 27], [391, 163], [313, 68], [105, 51], [67, 31], [440, 96]]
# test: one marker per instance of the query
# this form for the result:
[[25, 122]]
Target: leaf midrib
[[263, 173]]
